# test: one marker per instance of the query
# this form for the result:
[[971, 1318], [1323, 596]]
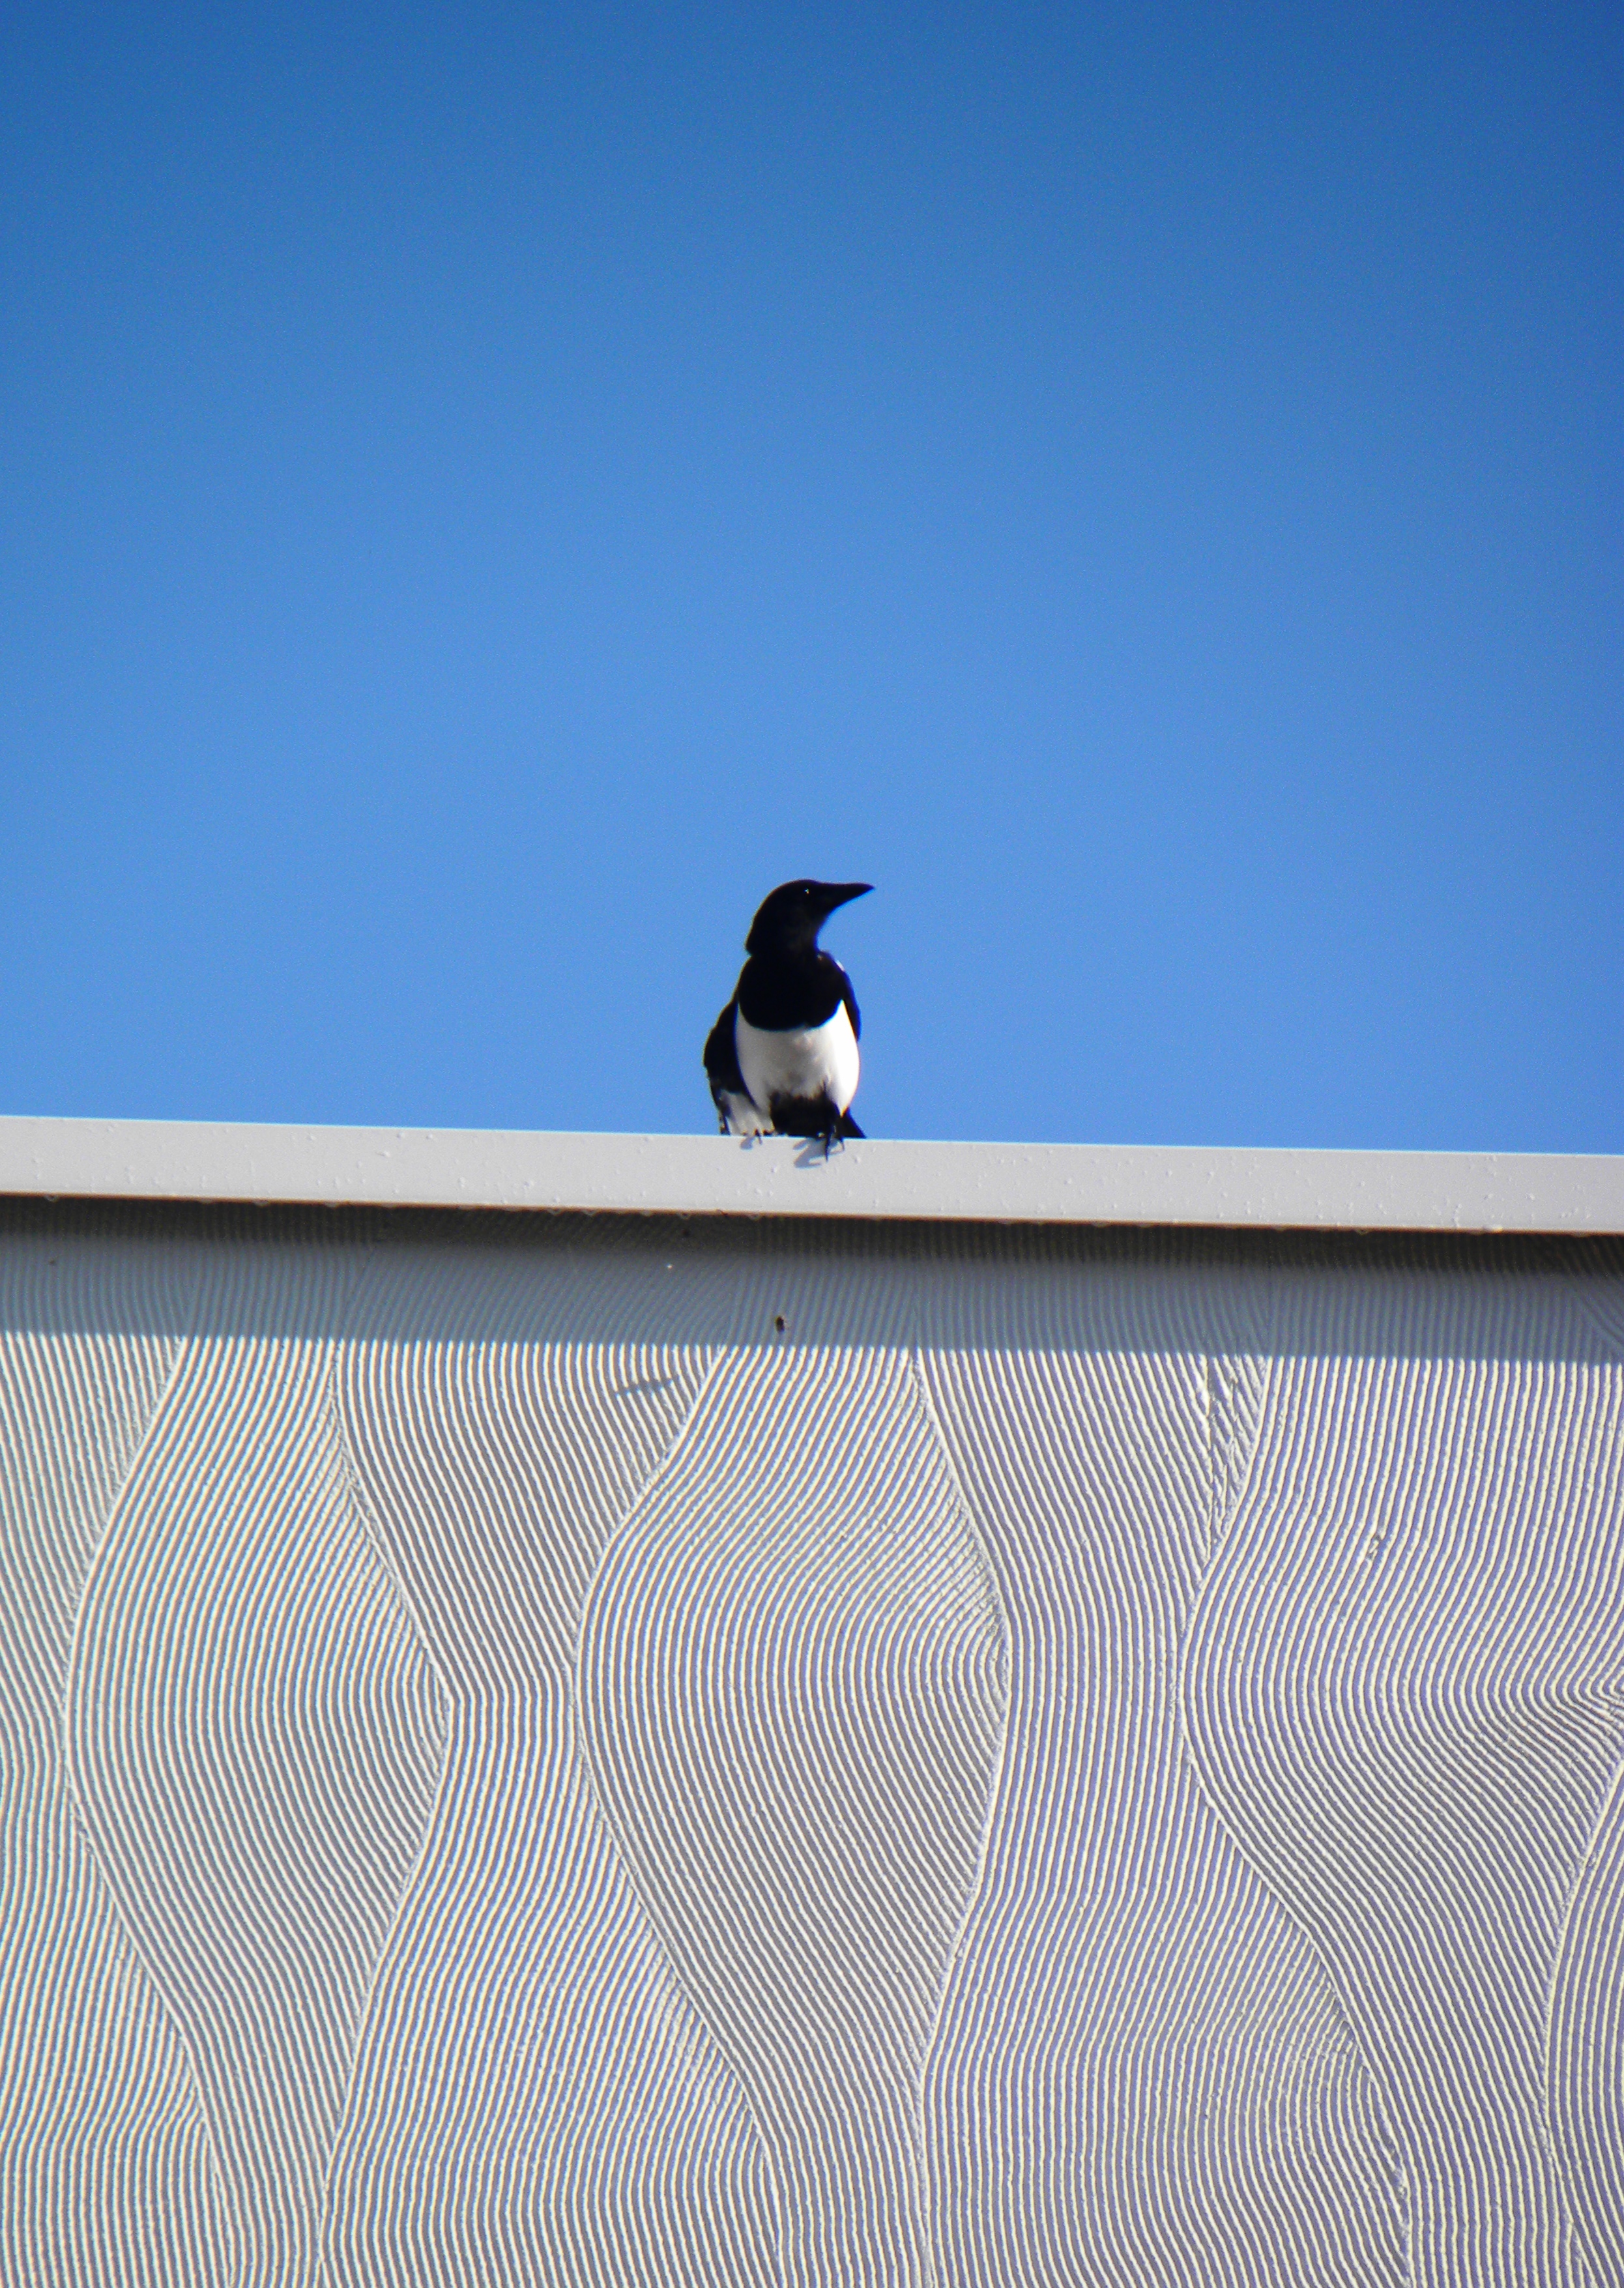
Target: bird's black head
[[790, 919]]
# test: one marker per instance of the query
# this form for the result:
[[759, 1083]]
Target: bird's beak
[[841, 893]]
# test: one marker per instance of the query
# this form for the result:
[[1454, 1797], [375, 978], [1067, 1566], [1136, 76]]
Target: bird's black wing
[[850, 999], [721, 1063], [847, 1125]]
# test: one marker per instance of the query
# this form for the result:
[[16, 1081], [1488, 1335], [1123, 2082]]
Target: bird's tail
[[847, 1127]]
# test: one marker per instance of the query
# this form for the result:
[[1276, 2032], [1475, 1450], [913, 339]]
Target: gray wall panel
[[594, 1750], [792, 1682], [255, 1732], [1146, 2074], [109, 2168], [572, 2117], [1400, 1689]]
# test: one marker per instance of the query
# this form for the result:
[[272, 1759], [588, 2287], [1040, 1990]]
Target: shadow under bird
[[781, 1058]]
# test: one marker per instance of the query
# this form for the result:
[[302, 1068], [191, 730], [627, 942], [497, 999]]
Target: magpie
[[781, 1058]]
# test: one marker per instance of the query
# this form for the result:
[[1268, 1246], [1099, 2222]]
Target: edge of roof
[[778, 1176]]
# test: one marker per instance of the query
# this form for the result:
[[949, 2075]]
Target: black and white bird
[[781, 1058]]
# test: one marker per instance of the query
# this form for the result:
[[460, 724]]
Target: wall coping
[[775, 1176]]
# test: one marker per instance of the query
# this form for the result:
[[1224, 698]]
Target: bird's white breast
[[809, 1062]]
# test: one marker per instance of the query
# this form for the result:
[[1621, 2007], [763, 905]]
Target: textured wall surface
[[623, 1751]]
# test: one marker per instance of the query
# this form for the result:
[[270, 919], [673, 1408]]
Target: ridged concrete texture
[[622, 1751]]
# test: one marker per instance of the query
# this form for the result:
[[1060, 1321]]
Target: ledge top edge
[[880, 1181]]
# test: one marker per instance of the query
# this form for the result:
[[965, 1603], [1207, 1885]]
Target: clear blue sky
[[488, 490]]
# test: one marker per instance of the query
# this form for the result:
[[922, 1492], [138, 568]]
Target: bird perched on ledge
[[781, 1058]]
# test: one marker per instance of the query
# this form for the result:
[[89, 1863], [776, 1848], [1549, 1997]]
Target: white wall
[[1082, 1759]]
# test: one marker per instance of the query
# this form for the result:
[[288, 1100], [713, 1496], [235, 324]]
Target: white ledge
[[712, 1175]]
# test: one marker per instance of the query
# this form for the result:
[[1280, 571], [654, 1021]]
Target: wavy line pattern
[[583, 1752], [572, 2119], [1585, 2047], [1401, 1691], [106, 2172], [1142, 2074], [255, 1735], [1585, 2037], [792, 1681]]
